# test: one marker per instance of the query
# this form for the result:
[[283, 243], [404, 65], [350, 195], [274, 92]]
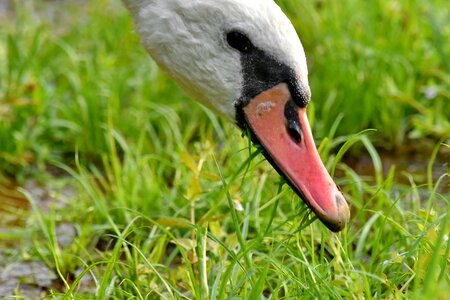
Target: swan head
[[244, 60]]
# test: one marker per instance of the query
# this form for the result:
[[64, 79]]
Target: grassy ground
[[129, 184]]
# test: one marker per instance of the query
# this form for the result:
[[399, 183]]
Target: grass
[[83, 108]]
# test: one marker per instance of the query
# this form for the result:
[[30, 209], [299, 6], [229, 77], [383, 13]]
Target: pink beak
[[271, 116]]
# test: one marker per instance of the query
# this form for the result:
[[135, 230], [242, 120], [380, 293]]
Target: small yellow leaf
[[216, 229], [432, 235], [234, 189], [175, 222], [194, 189], [189, 161], [185, 243], [231, 240], [211, 176], [421, 265]]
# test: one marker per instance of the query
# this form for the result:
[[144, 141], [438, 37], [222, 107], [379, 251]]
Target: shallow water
[[411, 164]]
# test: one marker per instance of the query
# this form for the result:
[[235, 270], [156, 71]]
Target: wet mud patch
[[20, 274], [28, 279]]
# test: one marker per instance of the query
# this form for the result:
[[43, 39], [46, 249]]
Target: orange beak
[[282, 129]]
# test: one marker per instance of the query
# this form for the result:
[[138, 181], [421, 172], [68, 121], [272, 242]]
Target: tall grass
[[172, 203]]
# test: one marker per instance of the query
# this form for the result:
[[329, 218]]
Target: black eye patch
[[239, 41]]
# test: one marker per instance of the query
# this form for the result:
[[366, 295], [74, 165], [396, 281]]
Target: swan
[[244, 60]]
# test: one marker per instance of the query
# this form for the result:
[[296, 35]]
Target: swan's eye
[[239, 41]]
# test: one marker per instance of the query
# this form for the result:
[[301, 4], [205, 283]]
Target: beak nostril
[[292, 121], [294, 130]]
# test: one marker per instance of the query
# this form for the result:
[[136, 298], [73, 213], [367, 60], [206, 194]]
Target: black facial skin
[[262, 72]]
